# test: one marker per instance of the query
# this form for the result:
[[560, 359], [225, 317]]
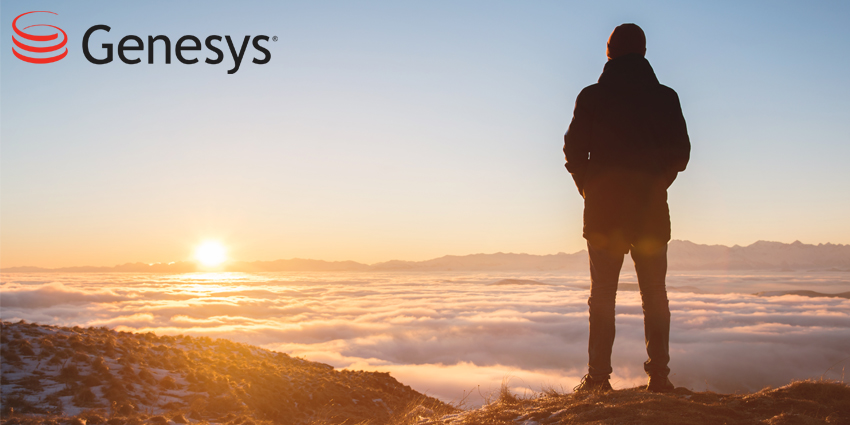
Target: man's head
[[626, 38]]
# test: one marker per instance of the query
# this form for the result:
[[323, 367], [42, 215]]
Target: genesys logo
[[130, 48], [46, 47]]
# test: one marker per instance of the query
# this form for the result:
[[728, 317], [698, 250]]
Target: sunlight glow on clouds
[[447, 334]]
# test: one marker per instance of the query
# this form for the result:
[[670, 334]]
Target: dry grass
[[801, 402]]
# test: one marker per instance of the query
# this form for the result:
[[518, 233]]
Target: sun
[[211, 254]]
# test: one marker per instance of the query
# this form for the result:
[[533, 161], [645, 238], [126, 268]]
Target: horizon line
[[352, 262]]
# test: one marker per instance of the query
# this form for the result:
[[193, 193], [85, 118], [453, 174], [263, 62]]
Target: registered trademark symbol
[[274, 38]]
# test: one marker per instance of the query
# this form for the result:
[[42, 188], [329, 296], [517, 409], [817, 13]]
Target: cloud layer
[[451, 334]]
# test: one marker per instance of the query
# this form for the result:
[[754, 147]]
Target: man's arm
[[679, 144], [577, 143]]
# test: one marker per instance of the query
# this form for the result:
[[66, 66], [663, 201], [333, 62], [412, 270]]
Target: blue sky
[[406, 130]]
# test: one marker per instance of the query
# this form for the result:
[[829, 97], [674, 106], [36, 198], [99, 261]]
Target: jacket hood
[[628, 69]]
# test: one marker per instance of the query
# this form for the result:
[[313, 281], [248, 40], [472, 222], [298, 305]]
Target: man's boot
[[590, 385], [659, 384]]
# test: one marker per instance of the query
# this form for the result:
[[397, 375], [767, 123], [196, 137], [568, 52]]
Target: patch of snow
[[560, 412], [68, 406]]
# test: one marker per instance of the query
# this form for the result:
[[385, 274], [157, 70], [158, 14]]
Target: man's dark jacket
[[624, 147]]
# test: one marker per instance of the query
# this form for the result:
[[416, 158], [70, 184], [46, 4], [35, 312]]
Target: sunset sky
[[405, 130]]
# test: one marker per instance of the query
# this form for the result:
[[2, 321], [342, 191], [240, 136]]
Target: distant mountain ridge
[[682, 255]]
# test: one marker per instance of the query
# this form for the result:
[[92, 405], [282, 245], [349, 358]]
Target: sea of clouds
[[455, 334]]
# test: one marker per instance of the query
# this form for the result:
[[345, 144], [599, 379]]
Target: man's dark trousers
[[651, 267]]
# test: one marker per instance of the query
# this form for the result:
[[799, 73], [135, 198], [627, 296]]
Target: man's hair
[[626, 38]]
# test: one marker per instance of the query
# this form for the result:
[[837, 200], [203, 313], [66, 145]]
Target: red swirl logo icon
[[41, 39]]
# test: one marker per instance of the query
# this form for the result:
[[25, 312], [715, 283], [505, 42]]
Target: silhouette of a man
[[625, 145]]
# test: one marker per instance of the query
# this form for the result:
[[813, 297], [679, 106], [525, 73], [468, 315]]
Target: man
[[624, 147]]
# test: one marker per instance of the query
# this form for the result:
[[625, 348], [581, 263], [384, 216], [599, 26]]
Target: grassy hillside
[[97, 374]]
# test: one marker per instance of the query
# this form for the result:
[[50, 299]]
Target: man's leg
[[651, 266], [605, 267]]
